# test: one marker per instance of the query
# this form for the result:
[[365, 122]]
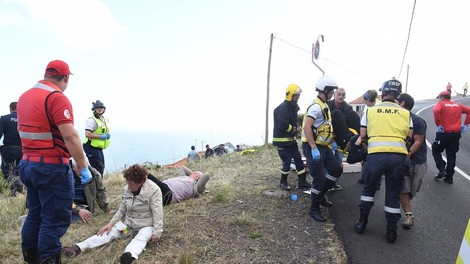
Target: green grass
[[232, 223]]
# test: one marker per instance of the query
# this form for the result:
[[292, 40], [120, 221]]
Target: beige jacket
[[144, 209]]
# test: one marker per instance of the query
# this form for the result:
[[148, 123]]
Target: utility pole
[[407, 73], [267, 90]]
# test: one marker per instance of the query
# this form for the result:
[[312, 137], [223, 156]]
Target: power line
[[292, 45], [408, 39]]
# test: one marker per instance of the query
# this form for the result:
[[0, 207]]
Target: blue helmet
[[391, 86]]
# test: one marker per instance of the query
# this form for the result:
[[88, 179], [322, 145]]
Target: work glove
[[108, 136], [315, 154], [334, 146], [105, 136], [85, 175], [440, 129], [463, 129]]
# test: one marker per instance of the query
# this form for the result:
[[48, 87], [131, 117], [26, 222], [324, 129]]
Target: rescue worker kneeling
[[317, 135], [387, 128]]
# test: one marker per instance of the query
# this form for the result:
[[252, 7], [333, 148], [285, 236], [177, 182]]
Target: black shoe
[[360, 226], [337, 187], [304, 185], [126, 258], [284, 186], [440, 175], [316, 214], [326, 203], [391, 236], [361, 181], [71, 251], [449, 180]]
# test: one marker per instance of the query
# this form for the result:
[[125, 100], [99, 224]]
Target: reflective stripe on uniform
[[315, 191], [392, 210], [302, 171], [287, 139], [44, 87], [45, 135], [367, 198], [387, 144], [331, 178], [284, 172]]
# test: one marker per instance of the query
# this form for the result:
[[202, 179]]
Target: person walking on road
[[97, 136], [448, 116], [11, 150], [387, 128], [418, 156], [317, 136], [48, 139], [449, 87], [285, 136], [465, 89]]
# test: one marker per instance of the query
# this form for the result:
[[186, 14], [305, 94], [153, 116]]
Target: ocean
[[162, 147]]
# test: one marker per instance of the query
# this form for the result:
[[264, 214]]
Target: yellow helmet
[[291, 90]]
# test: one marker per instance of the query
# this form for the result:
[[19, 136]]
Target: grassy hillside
[[233, 223]]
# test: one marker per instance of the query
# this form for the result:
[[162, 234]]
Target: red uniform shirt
[[449, 115], [36, 121]]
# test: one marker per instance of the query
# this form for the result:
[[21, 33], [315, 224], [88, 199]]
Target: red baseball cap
[[60, 67], [443, 93]]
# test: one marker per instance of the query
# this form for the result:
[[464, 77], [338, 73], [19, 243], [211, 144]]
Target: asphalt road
[[441, 212]]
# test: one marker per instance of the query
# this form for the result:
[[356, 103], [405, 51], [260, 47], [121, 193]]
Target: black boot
[[126, 258], [283, 183], [303, 184], [52, 259], [361, 224], [449, 179], [391, 236], [325, 203], [31, 256], [315, 212]]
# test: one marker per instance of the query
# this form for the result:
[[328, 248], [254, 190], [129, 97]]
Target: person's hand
[[334, 146], [85, 215], [85, 175], [155, 238], [463, 129], [315, 154], [106, 228], [103, 136], [108, 136], [440, 129]]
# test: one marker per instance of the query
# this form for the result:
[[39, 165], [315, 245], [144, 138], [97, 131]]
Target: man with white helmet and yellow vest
[[97, 136], [387, 128], [284, 137], [317, 136]]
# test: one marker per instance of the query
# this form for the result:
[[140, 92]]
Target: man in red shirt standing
[[448, 116], [449, 87], [48, 139]]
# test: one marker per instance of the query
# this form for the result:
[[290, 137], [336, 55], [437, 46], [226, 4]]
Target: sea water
[[163, 147]]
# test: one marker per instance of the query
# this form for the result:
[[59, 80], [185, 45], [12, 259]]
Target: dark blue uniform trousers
[[322, 181], [393, 165], [49, 200]]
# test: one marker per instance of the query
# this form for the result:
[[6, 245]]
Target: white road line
[[429, 146]]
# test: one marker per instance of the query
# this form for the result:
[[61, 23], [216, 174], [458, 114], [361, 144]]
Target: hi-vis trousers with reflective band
[[322, 181], [393, 165], [464, 252]]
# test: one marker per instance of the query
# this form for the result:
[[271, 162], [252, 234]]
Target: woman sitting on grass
[[140, 214]]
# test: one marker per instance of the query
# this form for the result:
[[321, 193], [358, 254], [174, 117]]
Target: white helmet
[[326, 82]]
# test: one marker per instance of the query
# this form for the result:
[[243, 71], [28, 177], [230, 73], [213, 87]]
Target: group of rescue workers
[[386, 145]]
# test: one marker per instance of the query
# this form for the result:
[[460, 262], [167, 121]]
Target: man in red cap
[[48, 139], [448, 116]]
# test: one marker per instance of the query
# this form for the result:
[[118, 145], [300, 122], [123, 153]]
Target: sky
[[202, 66]]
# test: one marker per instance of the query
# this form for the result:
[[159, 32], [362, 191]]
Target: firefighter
[[317, 137], [386, 128], [285, 136]]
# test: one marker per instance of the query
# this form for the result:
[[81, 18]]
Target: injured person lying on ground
[[177, 189]]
